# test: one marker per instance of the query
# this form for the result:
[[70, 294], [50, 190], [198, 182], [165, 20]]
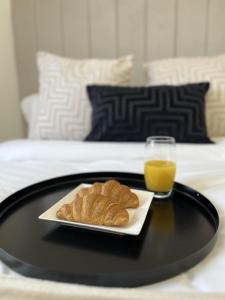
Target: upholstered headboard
[[148, 29]]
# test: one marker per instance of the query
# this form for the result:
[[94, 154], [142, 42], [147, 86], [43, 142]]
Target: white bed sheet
[[23, 162]]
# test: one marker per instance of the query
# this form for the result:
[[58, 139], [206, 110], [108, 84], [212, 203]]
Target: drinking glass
[[160, 165]]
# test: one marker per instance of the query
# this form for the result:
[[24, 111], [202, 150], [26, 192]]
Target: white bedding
[[24, 162]]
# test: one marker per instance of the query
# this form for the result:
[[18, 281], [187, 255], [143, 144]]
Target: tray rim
[[30, 270]]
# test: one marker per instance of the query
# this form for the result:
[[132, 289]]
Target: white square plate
[[136, 216]]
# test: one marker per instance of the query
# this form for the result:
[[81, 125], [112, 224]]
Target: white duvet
[[202, 167]]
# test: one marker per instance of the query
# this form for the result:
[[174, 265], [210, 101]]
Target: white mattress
[[23, 162]]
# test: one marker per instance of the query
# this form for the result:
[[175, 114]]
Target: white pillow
[[29, 107], [64, 110], [190, 70]]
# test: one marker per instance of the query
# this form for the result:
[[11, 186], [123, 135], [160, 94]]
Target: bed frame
[[148, 29]]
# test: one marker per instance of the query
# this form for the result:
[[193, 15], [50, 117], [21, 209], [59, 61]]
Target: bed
[[202, 167]]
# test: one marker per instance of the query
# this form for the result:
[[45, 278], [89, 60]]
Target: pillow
[[29, 107], [64, 111], [191, 70], [134, 113]]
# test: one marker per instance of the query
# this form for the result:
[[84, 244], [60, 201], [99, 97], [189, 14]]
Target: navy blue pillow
[[134, 113]]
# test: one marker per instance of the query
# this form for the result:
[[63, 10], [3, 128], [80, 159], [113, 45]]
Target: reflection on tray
[[102, 242], [163, 219]]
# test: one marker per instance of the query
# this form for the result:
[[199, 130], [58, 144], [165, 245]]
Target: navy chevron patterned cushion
[[134, 113]]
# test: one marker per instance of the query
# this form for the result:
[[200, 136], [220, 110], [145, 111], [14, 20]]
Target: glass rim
[[162, 139]]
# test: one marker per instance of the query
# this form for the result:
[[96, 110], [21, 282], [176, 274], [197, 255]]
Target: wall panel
[[75, 28], [103, 32], [191, 27], [216, 27], [131, 33], [25, 45], [49, 30], [161, 29]]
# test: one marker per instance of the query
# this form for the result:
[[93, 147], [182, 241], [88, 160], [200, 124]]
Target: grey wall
[[11, 125]]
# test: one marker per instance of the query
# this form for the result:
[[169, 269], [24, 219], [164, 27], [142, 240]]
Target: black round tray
[[177, 234]]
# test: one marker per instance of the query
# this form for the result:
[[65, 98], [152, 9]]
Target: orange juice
[[159, 175]]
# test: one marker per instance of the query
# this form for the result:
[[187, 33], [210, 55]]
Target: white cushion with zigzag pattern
[[64, 111], [191, 70]]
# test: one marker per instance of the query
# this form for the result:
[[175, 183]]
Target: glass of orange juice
[[160, 165]]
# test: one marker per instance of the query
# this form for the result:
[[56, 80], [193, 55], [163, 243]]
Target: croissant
[[116, 191], [94, 209]]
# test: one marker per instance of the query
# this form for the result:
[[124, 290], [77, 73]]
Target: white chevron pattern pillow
[[64, 110], [192, 70]]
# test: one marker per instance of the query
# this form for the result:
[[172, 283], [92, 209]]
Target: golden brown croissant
[[94, 209], [116, 191], [65, 210]]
